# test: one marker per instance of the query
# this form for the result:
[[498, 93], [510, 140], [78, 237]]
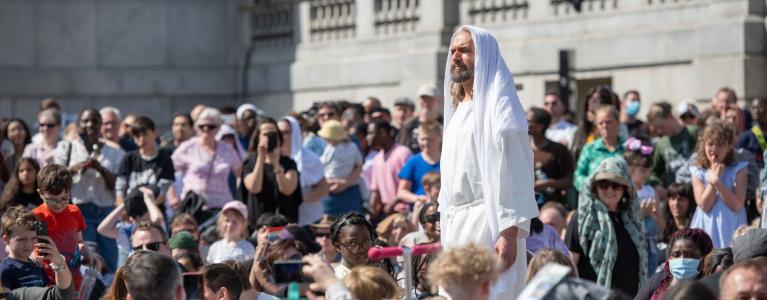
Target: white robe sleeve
[[516, 203]]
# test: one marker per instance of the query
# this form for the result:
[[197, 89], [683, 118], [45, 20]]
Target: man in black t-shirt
[[146, 165]]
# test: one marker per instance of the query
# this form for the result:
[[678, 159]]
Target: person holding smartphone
[[270, 179], [27, 237]]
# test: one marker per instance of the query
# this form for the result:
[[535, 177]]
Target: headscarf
[[245, 107], [226, 129], [595, 229], [309, 165], [497, 112], [698, 237]]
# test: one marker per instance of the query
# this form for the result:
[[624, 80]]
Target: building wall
[[154, 57]]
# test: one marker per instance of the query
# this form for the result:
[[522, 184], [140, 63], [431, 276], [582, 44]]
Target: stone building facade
[[163, 56]]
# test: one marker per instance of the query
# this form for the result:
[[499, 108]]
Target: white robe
[[462, 206]]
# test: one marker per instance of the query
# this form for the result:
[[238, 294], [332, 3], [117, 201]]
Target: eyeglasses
[[149, 246], [207, 127], [354, 245], [46, 125], [604, 184], [433, 218]]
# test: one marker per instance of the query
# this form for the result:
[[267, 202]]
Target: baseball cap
[[428, 90], [236, 205], [405, 101], [183, 240], [685, 107]]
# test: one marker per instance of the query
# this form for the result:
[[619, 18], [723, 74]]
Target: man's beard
[[464, 73]]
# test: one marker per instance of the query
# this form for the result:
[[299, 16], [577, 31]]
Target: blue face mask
[[684, 268], [632, 109]]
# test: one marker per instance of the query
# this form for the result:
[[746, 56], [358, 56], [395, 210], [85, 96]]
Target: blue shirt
[[15, 274], [413, 171], [748, 141]]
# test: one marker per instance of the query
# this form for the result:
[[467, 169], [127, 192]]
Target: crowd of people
[[104, 205]]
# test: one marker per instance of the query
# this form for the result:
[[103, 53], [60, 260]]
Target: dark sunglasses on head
[[433, 218], [47, 125], [604, 184], [150, 246], [206, 127]]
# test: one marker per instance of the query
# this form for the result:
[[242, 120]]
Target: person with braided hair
[[688, 247]]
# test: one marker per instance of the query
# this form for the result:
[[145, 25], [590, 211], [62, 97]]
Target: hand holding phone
[[287, 271]]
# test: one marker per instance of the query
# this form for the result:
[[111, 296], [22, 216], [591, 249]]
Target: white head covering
[[226, 129], [497, 111], [309, 165], [245, 107]]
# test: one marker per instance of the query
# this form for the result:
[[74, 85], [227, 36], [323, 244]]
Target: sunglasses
[[207, 127], [604, 184], [322, 235], [149, 246], [47, 125], [433, 218]]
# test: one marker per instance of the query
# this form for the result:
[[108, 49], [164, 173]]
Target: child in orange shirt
[[65, 222]]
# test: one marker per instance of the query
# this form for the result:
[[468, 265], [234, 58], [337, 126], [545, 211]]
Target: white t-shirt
[[221, 251], [339, 160]]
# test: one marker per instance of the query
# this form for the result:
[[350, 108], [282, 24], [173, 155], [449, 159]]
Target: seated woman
[[688, 248], [604, 234]]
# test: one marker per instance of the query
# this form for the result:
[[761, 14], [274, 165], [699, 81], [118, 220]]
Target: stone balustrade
[[496, 11], [331, 20], [395, 16], [272, 22]]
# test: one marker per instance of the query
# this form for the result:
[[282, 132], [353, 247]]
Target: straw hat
[[332, 130]]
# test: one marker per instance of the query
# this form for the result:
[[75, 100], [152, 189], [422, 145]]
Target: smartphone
[[41, 228], [193, 285], [287, 271], [271, 141]]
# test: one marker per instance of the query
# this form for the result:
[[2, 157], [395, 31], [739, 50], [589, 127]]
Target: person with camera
[[270, 180]]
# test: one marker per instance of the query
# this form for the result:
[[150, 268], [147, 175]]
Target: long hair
[[253, 147], [28, 135], [14, 186], [678, 190], [457, 92], [720, 133], [586, 127]]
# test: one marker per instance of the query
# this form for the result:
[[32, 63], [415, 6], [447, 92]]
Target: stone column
[[302, 23], [365, 27]]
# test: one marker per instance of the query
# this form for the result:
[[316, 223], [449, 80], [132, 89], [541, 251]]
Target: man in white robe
[[487, 195]]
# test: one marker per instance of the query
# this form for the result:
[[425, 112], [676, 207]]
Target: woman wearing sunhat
[[343, 165]]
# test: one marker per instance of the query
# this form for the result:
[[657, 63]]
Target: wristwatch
[[62, 266]]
